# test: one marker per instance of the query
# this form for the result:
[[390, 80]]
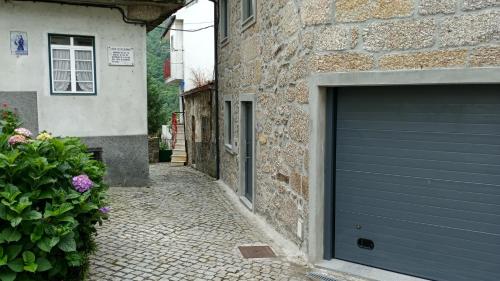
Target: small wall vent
[[96, 153]]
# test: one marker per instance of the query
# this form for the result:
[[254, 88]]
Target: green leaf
[[37, 233], [43, 264], [74, 259], [31, 267], [3, 212], [15, 221], [13, 250], [16, 265], [46, 244], [56, 211], [67, 243], [32, 215], [7, 275], [88, 207], [24, 202], [68, 219], [46, 194], [10, 193], [28, 257], [72, 195], [3, 260], [10, 235], [18, 207]]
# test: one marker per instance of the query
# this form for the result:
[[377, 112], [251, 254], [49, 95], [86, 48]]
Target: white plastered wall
[[120, 106]]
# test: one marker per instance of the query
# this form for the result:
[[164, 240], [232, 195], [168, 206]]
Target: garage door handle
[[366, 244]]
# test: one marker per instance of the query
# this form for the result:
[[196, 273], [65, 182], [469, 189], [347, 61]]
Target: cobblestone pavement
[[181, 228]]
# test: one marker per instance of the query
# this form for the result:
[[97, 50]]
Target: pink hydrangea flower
[[17, 139], [23, 132], [82, 183]]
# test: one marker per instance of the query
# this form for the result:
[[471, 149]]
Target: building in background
[[80, 70], [190, 66], [191, 38], [367, 131], [201, 119]]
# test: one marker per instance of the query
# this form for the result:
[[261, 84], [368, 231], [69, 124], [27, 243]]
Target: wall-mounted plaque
[[19, 43], [121, 56]]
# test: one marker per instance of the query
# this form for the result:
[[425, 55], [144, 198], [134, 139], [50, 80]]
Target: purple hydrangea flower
[[105, 210], [23, 132], [17, 139], [82, 183]]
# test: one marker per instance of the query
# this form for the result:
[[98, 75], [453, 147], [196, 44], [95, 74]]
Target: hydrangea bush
[[52, 196]]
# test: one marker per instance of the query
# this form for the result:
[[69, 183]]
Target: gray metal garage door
[[418, 180]]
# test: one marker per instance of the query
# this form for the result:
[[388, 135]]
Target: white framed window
[[228, 124], [72, 64], [248, 8], [224, 20]]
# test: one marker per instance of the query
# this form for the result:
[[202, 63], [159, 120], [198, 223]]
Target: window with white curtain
[[72, 64]]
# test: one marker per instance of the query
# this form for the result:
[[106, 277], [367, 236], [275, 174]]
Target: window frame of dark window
[[247, 18], [228, 125], [224, 17]]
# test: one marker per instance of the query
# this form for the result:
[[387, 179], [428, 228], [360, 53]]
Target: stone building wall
[[292, 39], [199, 106]]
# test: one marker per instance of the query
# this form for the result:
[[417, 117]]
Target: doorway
[[193, 139], [247, 151]]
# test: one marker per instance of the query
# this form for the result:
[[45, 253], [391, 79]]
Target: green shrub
[[47, 215]]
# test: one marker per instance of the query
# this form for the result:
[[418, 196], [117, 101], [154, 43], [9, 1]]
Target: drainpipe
[[216, 86]]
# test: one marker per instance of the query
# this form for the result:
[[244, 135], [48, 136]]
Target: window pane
[[84, 76], [84, 87], [59, 40], [83, 41], [62, 86], [60, 54], [62, 76], [83, 55], [62, 65], [249, 8], [83, 65], [224, 18]]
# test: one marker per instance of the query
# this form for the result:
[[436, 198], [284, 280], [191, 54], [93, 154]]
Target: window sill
[[224, 41], [247, 23], [74, 94]]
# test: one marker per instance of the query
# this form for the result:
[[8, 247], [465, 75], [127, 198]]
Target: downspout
[[216, 87]]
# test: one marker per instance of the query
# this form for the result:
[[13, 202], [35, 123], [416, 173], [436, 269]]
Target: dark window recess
[[83, 41], [366, 244], [205, 129], [96, 153], [60, 40]]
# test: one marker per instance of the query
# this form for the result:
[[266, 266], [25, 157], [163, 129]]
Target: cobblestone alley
[[181, 228]]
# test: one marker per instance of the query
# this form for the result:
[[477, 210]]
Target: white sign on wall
[[122, 56]]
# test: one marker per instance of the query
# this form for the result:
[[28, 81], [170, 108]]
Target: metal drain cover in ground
[[319, 276], [255, 252]]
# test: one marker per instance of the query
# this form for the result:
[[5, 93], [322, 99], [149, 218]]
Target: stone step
[[178, 159], [179, 153]]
